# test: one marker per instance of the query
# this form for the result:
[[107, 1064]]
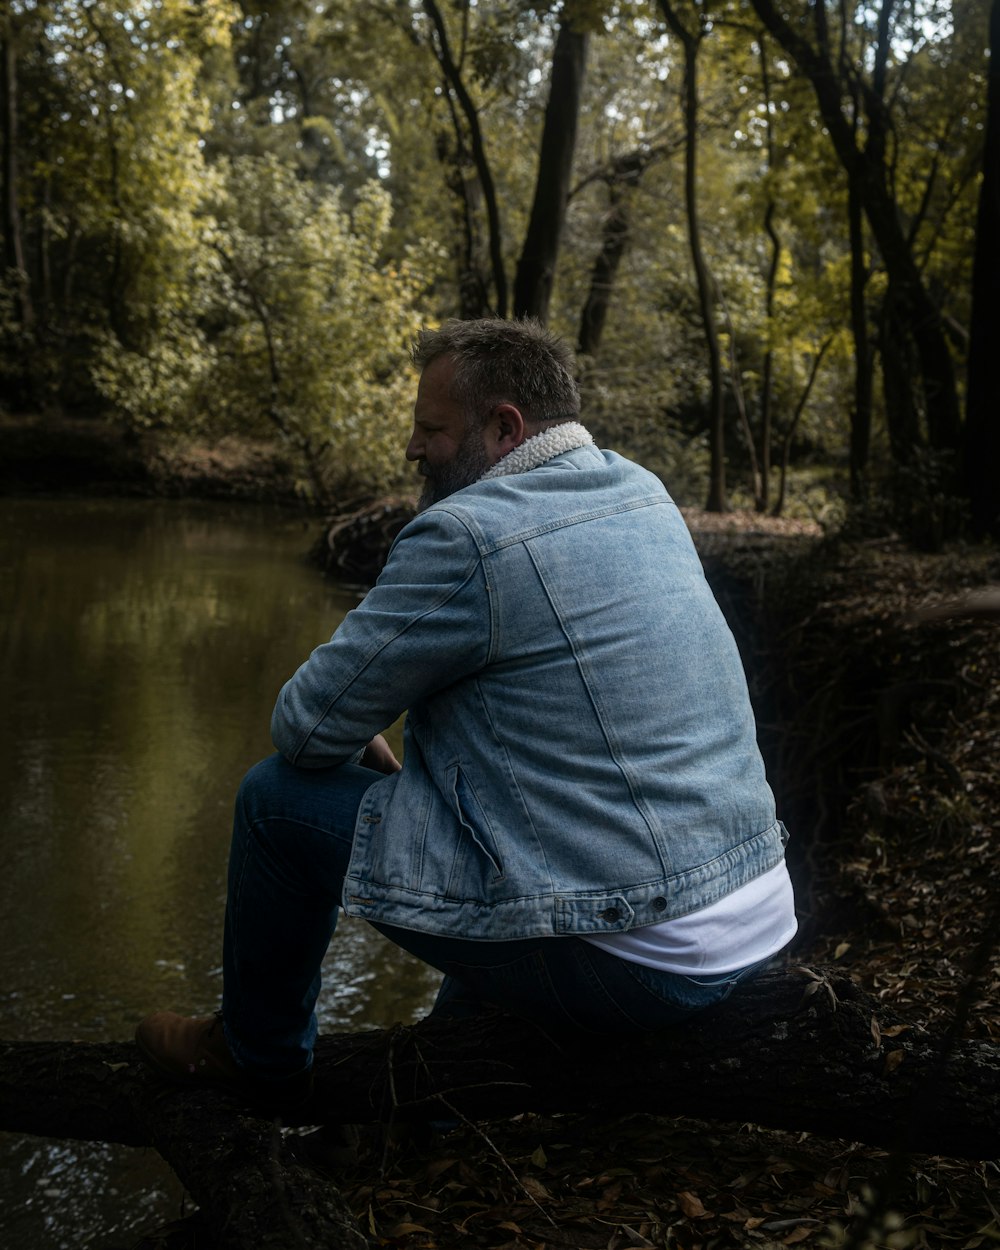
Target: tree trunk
[[800, 407], [767, 374], [800, 1049], [622, 177], [861, 413], [901, 416], [982, 450], [866, 167], [614, 237], [743, 419], [453, 79], [763, 498], [717, 500], [471, 260], [536, 268], [13, 251]]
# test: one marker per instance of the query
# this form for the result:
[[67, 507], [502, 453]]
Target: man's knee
[[259, 782]]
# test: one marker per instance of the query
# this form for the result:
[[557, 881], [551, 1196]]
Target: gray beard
[[468, 466]]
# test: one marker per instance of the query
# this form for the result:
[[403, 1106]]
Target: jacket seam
[[639, 804], [488, 548]]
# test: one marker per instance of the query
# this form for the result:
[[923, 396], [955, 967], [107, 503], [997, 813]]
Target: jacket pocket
[[474, 821]]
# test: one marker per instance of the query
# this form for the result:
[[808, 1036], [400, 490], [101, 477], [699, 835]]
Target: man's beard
[[469, 464]]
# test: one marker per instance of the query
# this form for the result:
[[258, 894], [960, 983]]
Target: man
[[581, 831]]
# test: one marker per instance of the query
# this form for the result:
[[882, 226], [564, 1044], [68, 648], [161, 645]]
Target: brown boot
[[193, 1051]]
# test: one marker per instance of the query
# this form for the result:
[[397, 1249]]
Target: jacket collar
[[567, 436]]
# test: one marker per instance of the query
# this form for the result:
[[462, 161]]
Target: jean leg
[[293, 830], [564, 984], [455, 1000]]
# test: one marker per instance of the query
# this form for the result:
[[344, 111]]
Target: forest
[[769, 229]]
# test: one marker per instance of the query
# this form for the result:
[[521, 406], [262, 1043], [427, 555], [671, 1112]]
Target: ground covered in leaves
[[881, 722], [574, 1181]]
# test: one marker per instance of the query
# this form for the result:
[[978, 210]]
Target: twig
[[481, 1133]]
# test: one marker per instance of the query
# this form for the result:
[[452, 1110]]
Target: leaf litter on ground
[[917, 855]]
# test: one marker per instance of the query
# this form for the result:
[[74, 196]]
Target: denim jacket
[[580, 753]]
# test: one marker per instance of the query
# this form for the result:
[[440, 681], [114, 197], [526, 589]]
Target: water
[[141, 647]]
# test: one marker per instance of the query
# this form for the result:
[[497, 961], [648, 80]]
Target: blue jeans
[[292, 835]]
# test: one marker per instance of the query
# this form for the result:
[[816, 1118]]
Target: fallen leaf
[[404, 1228], [437, 1166], [690, 1204]]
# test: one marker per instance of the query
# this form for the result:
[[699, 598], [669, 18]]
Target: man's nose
[[414, 448]]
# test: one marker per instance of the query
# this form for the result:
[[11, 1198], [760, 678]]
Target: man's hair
[[497, 362]]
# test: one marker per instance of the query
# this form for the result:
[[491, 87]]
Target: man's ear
[[507, 429]]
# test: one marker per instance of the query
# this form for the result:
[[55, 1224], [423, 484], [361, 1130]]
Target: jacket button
[[659, 904], [611, 914]]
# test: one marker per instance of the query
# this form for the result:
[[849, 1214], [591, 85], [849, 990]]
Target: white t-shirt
[[750, 924]]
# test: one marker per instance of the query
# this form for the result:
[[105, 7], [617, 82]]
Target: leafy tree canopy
[[230, 217]]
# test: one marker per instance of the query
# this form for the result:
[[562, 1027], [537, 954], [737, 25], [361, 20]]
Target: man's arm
[[424, 625]]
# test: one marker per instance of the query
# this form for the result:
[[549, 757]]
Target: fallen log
[[799, 1049], [234, 1164]]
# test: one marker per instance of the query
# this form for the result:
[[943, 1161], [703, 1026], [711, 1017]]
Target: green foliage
[[234, 217], [302, 331], [317, 323]]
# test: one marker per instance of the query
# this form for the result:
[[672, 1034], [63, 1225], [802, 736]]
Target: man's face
[[448, 455]]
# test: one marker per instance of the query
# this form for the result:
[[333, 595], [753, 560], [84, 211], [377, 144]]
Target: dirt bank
[[81, 455]]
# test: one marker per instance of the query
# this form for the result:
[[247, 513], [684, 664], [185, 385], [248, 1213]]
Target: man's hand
[[378, 755]]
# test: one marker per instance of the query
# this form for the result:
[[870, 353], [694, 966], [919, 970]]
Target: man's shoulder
[[566, 481], [577, 485], [568, 489]]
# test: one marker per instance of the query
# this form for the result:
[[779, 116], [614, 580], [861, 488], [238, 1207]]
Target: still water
[[141, 647]]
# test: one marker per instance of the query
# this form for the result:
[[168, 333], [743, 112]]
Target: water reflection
[[141, 647]]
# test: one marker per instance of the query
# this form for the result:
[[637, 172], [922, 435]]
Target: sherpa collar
[[567, 436]]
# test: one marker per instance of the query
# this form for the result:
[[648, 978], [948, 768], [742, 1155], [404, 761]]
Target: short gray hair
[[496, 362]]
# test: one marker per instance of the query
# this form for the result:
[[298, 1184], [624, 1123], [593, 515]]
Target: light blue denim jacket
[[580, 751]]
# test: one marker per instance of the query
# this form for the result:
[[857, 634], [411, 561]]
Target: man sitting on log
[[581, 831]]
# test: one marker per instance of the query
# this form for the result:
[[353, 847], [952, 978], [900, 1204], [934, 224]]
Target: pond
[[142, 644]]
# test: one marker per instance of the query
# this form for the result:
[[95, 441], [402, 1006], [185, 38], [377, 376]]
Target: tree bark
[[622, 177], [453, 79], [763, 495], [13, 251], [861, 412], [800, 1049], [898, 366], [614, 237], [866, 166], [786, 442], [717, 500], [982, 451], [537, 266]]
